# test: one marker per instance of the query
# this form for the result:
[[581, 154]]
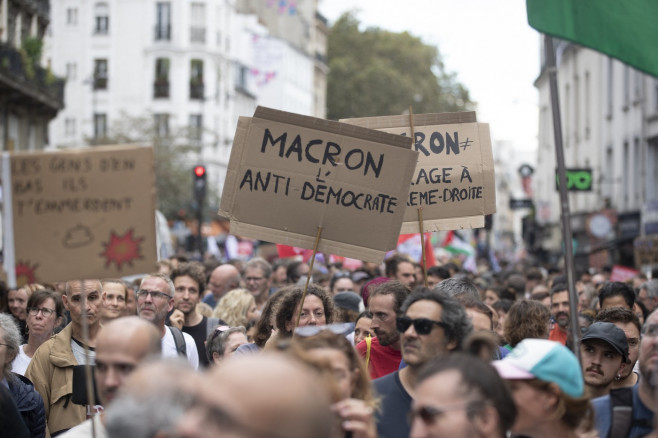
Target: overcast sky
[[488, 44]]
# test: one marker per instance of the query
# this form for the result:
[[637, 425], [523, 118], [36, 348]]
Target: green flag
[[626, 30]]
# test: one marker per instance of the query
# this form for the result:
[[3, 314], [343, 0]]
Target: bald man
[[291, 402], [51, 368], [222, 279], [121, 345]]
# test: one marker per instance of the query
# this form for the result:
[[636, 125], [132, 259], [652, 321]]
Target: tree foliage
[[377, 72], [173, 155]]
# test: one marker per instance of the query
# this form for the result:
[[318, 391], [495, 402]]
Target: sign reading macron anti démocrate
[[76, 214], [289, 174], [453, 181]]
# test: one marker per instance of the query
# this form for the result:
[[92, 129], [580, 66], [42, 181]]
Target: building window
[[100, 126], [196, 79], [163, 21], [102, 19], [71, 71], [72, 16], [196, 126], [100, 74], [161, 84], [161, 122], [198, 23], [69, 127]]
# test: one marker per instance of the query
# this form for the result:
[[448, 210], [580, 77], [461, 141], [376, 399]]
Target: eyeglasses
[[430, 414], [46, 312], [423, 326], [256, 279], [143, 293], [219, 330], [338, 329]]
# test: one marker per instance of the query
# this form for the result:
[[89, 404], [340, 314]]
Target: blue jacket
[[29, 404]]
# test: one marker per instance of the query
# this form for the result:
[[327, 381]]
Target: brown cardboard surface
[[283, 195], [454, 185], [83, 213]]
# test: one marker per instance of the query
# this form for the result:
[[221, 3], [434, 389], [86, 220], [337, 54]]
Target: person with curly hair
[[317, 309], [236, 308], [526, 319]]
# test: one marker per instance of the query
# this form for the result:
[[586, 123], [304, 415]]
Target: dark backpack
[[621, 412]]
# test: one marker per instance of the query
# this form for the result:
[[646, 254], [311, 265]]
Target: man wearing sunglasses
[[461, 396], [155, 299], [432, 324]]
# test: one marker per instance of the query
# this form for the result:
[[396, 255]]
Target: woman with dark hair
[[44, 312], [548, 389], [317, 309]]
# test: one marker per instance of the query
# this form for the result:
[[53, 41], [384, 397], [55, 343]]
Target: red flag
[[410, 244]]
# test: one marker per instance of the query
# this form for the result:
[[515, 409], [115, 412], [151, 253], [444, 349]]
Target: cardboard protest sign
[[76, 214], [290, 174], [454, 179]]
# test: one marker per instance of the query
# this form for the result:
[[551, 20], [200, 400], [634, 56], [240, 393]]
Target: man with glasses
[[433, 324], [51, 368], [189, 282], [258, 280], [382, 353], [155, 299], [641, 397], [461, 396]]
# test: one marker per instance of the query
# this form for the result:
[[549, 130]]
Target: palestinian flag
[[456, 245]]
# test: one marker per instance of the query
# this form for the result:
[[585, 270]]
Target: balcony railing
[[163, 32], [161, 89], [196, 90], [32, 77]]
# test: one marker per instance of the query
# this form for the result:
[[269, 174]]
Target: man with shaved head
[[120, 346], [291, 401], [222, 279], [51, 368]]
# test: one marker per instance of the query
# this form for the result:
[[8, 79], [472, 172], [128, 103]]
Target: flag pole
[[423, 266], [551, 69], [308, 277]]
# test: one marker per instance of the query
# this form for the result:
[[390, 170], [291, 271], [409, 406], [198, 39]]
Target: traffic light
[[199, 182]]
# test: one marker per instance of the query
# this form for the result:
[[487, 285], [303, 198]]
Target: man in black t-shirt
[[189, 282]]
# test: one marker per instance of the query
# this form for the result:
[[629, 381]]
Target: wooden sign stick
[[308, 277], [89, 383], [420, 209], [422, 244]]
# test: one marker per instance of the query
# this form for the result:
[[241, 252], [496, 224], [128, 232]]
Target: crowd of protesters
[[259, 349]]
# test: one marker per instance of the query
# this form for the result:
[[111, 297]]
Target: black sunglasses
[[423, 326]]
